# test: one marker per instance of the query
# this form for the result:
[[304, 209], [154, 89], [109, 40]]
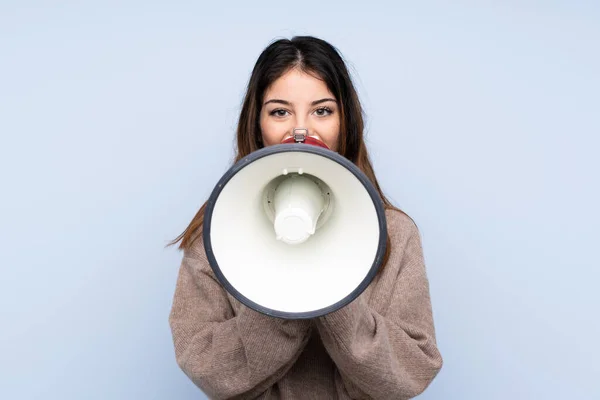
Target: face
[[299, 100]]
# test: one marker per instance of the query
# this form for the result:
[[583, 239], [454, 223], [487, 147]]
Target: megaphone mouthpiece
[[301, 136]]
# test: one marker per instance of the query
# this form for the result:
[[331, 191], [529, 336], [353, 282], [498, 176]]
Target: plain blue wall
[[117, 119]]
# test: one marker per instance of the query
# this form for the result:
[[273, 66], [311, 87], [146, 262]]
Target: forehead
[[298, 85]]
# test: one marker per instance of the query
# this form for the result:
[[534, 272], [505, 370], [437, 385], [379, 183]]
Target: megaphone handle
[[300, 134]]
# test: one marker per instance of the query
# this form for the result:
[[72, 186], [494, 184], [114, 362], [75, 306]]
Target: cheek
[[330, 135], [333, 145], [271, 132]]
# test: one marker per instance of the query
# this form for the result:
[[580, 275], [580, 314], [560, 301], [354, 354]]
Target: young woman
[[380, 346]]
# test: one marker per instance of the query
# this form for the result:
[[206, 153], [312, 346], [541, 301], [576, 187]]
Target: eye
[[279, 112], [323, 111]]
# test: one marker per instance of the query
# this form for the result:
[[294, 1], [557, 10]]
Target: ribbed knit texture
[[380, 346]]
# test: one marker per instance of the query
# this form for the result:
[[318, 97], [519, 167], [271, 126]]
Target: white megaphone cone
[[295, 230]]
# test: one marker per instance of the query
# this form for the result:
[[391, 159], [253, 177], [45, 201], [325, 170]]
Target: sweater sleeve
[[391, 356], [228, 356]]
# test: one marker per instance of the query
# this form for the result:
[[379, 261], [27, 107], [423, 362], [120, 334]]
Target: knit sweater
[[380, 346]]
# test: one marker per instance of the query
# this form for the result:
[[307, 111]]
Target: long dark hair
[[319, 58]]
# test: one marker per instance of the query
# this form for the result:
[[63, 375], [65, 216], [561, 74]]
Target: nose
[[302, 125], [302, 121]]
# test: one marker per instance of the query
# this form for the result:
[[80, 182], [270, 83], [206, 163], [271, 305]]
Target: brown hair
[[321, 59]]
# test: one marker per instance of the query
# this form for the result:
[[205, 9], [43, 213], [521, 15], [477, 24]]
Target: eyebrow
[[287, 103]]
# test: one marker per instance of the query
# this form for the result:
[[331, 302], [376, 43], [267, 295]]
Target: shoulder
[[195, 255], [195, 248], [404, 235], [400, 226]]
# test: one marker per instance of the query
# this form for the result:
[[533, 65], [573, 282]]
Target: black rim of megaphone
[[283, 148]]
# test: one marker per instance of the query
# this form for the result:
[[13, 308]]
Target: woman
[[380, 346]]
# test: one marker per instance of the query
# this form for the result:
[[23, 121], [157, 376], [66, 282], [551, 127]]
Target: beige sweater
[[380, 346]]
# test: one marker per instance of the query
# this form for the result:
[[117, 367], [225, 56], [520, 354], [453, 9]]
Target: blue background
[[117, 118]]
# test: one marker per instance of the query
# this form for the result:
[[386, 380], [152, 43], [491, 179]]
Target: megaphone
[[295, 230]]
